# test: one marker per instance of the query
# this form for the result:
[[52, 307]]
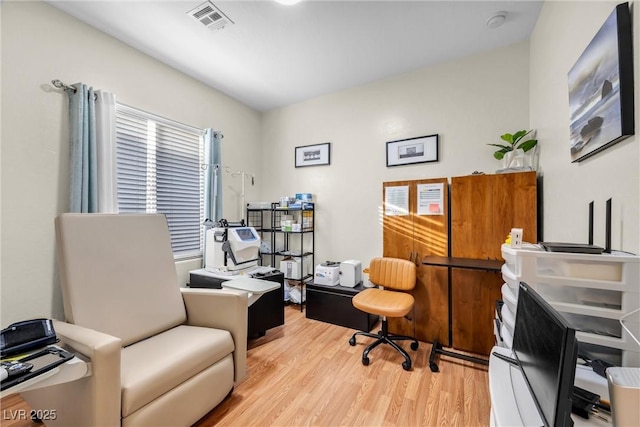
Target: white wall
[[563, 31], [40, 43], [469, 103]]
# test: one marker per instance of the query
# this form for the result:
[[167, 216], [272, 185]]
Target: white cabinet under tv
[[592, 292]]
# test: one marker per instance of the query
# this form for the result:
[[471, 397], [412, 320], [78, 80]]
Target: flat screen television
[[546, 349]]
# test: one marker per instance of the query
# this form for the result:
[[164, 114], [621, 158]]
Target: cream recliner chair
[[160, 355]]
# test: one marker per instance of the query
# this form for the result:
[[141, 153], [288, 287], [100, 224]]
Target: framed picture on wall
[[422, 149], [601, 89], [313, 155]]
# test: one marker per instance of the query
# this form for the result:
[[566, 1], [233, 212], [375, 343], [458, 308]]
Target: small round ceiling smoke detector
[[497, 20], [288, 2]]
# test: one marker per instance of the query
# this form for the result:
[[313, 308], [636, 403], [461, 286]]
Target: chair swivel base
[[383, 337]]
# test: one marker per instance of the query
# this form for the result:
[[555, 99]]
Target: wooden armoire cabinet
[[415, 224], [484, 209]]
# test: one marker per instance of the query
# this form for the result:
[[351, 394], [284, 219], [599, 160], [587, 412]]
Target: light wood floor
[[305, 373]]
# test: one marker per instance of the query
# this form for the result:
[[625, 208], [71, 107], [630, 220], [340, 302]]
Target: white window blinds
[[159, 171]]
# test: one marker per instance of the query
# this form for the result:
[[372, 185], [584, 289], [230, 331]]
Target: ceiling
[[274, 55]]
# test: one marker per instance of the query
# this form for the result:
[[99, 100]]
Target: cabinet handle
[[410, 256]]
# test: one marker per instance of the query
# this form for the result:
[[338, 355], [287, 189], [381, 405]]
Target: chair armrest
[[92, 400], [88, 342], [225, 309]]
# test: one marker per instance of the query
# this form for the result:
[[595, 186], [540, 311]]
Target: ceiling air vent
[[210, 16]]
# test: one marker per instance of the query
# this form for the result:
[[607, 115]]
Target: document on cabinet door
[[431, 199], [396, 201]]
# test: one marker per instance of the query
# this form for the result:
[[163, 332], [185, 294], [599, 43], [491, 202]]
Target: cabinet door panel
[[397, 242], [514, 206], [430, 237], [474, 294], [484, 208], [471, 216], [403, 325], [414, 237], [432, 308], [397, 230]]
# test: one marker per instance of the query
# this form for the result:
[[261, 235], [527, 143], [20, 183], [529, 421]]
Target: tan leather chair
[[159, 355], [396, 277]]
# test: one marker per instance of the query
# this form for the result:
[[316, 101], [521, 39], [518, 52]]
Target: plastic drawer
[[510, 299], [497, 325], [506, 337], [584, 296], [594, 325], [510, 278], [508, 319], [577, 269]]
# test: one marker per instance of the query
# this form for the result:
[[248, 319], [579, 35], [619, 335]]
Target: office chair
[[395, 276]]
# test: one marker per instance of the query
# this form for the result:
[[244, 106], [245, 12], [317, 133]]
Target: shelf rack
[[282, 244]]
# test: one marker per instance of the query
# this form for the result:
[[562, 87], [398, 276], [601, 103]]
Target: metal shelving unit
[[296, 244]]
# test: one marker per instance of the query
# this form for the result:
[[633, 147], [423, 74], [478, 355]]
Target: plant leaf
[[498, 155], [504, 147], [519, 135], [507, 137], [528, 144]]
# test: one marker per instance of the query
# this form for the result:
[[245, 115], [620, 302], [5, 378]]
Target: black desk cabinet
[[266, 313], [332, 304]]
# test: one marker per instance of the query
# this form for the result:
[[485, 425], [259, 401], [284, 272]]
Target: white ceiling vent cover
[[210, 16]]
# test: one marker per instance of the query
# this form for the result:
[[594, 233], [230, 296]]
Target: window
[[158, 171]]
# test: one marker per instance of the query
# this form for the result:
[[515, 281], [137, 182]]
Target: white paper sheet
[[396, 200], [431, 199]]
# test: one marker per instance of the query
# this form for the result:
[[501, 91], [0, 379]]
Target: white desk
[[71, 370], [512, 403], [242, 282]]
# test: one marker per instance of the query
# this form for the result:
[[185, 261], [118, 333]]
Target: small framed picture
[[423, 149], [313, 155]]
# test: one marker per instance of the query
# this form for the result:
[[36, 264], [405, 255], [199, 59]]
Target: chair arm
[[225, 309], [92, 400], [87, 342]]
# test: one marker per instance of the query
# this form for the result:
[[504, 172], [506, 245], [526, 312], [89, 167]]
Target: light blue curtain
[[213, 177], [83, 159]]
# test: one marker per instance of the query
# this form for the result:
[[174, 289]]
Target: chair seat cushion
[[383, 302], [154, 366]]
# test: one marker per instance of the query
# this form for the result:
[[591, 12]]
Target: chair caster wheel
[[406, 365], [414, 346], [352, 341], [434, 367], [365, 361]]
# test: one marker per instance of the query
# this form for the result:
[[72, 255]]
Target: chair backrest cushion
[[393, 273], [118, 274]]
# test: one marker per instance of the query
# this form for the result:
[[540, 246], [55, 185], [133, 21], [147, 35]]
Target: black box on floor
[[332, 304]]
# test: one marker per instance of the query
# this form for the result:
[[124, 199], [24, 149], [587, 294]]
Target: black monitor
[[546, 349]]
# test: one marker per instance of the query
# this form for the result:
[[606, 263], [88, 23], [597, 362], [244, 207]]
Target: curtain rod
[[61, 85]]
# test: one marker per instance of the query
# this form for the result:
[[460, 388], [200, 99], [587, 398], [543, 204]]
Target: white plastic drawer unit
[[619, 271], [591, 291]]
